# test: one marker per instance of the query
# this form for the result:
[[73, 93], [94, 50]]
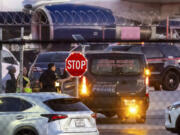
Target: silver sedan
[[45, 114]]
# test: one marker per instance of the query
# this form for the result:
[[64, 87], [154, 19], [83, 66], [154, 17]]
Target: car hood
[[176, 103]]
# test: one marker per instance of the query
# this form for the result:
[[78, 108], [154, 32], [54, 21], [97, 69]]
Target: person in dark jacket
[[48, 78], [10, 83]]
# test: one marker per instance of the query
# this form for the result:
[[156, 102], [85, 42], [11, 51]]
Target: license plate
[[104, 89], [79, 123]]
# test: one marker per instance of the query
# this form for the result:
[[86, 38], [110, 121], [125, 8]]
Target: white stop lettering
[[72, 64]]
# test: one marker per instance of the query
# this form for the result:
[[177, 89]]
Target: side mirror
[[170, 57]]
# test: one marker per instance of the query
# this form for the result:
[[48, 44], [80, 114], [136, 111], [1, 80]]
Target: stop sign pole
[[76, 66]]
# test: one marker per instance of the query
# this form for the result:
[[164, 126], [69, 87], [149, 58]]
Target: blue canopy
[[71, 14], [91, 22]]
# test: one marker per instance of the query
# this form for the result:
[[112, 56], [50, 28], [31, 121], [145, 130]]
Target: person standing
[[9, 81], [26, 82], [48, 78]]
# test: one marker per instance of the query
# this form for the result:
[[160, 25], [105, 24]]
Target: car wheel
[[178, 126], [157, 87], [109, 114], [121, 119], [170, 81], [25, 132], [141, 120]]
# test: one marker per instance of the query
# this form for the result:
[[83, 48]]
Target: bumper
[[170, 120], [90, 133], [112, 104]]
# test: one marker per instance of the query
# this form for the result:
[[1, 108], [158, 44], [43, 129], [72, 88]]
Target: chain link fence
[[53, 30]]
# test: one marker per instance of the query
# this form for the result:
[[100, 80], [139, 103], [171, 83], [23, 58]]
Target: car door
[[10, 114], [155, 59], [172, 54]]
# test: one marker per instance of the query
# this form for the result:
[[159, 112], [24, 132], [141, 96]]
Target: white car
[[172, 118], [45, 114]]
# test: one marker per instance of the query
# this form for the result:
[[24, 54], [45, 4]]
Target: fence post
[[21, 49], [77, 87], [1, 85]]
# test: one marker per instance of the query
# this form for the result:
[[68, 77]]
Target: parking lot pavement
[[160, 100], [115, 124], [114, 127], [154, 125]]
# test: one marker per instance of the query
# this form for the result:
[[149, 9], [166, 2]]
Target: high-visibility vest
[[27, 88]]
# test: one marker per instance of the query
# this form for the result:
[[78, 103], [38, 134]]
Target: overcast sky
[[13, 5], [17, 5]]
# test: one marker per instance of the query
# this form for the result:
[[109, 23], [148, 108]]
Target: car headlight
[[173, 107], [83, 88]]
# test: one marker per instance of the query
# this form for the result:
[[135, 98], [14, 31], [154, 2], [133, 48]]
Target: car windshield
[[52, 57], [117, 48], [66, 104], [116, 66]]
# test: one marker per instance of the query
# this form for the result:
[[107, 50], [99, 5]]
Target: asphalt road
[[114, 127], [134, 132], [155, 118]]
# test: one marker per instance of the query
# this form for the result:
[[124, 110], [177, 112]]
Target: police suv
[[163, 60], [116, 83]]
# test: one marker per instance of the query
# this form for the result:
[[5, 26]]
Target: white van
[[9, 59]]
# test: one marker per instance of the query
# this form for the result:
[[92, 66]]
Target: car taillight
[[94, 115], [147, 81], [147, 72], [54, 117], [84, 87], [147, 94]]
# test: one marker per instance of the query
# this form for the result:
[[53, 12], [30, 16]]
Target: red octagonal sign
[[76, 64]]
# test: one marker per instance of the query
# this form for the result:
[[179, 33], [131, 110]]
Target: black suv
[[163, 60], [41, 64], [115, 83]]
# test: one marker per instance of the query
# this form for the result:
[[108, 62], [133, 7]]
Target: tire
[[141, 120], [177, 130], [26, 132], [170, 81], [121, 119], [157, 87], [109, 114]]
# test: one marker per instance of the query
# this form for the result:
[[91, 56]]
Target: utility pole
[[21, 49]]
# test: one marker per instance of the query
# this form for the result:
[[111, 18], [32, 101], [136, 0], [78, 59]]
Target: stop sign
[[76, 64]]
